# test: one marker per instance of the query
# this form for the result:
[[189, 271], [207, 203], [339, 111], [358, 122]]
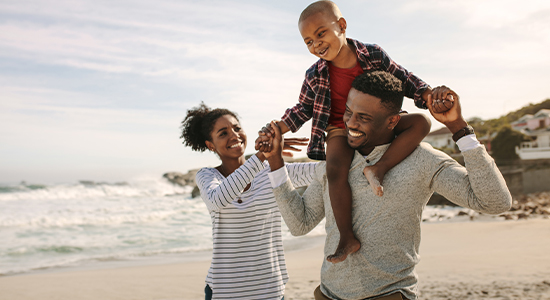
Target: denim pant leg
[[207, 293]]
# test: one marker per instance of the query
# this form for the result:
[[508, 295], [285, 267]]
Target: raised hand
[[443, 93]]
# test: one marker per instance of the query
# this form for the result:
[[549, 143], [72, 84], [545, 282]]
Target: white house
[[440, 138], [537, 149]]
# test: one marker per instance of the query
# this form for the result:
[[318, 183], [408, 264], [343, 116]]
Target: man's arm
[[301, 213], [480, 186]]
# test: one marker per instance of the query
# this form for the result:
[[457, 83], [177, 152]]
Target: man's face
[[368, 122], [323, 36]]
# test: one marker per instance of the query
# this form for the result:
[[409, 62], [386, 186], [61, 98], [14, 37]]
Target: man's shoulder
[[427, 152]]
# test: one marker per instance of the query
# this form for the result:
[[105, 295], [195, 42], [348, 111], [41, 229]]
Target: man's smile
[[355, 133]]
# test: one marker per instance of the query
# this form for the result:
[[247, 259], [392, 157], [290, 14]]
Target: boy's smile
[[325, 38]]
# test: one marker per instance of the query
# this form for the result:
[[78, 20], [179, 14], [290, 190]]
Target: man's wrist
[[276, 162], [457, 125]]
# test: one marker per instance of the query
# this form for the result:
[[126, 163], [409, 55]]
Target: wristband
[[463, 132]]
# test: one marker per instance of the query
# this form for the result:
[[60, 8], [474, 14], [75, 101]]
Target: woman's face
[[228, 138]]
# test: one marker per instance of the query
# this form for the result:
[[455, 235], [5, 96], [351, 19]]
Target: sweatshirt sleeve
[[218, 194], [301, 213], [479, 186]]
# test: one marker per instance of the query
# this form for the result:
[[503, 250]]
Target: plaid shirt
[[314, 101]]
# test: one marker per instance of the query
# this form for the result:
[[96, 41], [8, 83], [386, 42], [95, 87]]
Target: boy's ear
[[394, 119], [342, 24]]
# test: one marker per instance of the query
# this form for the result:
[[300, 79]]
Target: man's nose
[[352, 121]]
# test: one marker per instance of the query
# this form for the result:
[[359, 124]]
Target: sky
[[96, 90]]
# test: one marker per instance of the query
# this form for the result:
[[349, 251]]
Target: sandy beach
[[459, 260]]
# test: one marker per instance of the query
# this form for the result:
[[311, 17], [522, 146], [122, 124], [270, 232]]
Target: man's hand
[[274, 153], [453, 117]]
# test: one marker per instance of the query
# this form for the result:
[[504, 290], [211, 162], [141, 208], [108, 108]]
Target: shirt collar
[[372, 157], [322, 64]]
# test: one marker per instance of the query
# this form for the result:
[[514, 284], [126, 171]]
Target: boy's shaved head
[[324, 6]]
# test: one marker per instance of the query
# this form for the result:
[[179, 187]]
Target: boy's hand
[[451, 118], [268, 130], [264, 144], [438, 99]]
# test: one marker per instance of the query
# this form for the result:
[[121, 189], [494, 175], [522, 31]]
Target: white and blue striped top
[[248, 260]]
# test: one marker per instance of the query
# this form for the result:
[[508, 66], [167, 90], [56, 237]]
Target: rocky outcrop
[[180, 178], [528, 206]]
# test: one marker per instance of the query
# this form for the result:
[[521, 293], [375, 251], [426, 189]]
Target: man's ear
[[342, 24], [394, 119]]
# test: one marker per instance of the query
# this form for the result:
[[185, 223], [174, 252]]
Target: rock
[[196, 192], [180, 178]]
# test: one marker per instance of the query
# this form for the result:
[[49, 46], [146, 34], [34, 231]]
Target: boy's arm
[[302, 112], [414, 87], [410, 131]]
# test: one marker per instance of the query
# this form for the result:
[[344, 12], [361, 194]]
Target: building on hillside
[[536, 126], [441, 138], [528, 122], [537, 149]]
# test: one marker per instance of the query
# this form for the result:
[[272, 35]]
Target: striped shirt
[[247, 259]]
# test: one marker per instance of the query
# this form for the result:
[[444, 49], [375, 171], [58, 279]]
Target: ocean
[[43, 227]]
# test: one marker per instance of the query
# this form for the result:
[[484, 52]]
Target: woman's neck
[[228, 166]]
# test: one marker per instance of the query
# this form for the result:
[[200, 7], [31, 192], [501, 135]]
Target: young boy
[[323, 98]]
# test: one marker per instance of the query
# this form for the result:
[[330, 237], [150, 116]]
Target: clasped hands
[[270, 141]]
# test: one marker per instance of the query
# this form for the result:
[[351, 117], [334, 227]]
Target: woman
[[247, 259]]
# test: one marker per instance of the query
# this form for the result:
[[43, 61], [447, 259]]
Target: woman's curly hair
[[198, 124]]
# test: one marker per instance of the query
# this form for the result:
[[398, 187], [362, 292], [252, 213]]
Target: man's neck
[[368, 149]]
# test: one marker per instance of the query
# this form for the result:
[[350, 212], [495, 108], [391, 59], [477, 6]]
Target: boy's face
[[324, 35]]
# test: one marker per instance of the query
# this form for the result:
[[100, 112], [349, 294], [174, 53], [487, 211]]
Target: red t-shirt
[[340, 84]]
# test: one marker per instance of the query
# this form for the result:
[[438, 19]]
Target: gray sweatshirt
[[388, 227]]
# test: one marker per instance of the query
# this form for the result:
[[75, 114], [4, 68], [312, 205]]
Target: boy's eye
[[309, 43], [321, 33]]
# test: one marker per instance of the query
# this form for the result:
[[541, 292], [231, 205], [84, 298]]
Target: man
[[388, 227]]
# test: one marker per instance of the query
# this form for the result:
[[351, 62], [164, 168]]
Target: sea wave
[[90, 190]]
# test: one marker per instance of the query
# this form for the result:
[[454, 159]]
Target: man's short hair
[[323, 6], [382, 85]]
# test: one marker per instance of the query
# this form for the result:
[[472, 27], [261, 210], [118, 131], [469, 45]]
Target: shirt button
[[239, 201], [368, 161]]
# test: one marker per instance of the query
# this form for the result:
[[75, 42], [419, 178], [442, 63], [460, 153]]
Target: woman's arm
[[218, 194]]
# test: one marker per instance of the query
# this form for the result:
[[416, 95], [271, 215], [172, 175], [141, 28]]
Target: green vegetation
[[504, 144], [485, 127]]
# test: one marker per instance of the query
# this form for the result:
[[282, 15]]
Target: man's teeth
[[355, 134]]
